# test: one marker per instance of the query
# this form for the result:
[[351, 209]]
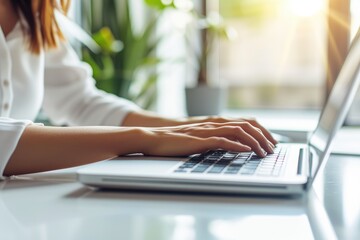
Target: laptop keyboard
[[244, 163]]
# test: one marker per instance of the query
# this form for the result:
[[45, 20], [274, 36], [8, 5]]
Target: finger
[[251, 137], [254, 137], [243, 132], [263, 133], [263, 129], [226, 144], [271, 144], [268, 135], [216, 120], [176, 144], [259, 137], [247, 139], [235, 133]]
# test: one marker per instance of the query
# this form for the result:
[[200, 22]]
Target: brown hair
[[44, 31]]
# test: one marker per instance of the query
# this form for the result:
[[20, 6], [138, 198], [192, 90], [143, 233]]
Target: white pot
[[205, 100]]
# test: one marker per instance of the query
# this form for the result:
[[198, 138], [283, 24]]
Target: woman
[[38, 69]]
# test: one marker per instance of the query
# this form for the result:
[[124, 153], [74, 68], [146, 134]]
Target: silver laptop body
[[301, 162]]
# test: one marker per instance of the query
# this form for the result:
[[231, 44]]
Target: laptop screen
[[339, 101]]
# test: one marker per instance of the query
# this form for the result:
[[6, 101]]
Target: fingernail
[[264, 152]]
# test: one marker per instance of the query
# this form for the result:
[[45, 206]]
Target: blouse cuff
[[10, 133]]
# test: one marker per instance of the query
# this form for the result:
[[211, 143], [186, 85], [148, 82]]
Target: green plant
[[126, 63]]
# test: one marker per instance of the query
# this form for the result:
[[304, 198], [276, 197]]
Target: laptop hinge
[[300, 162], [310, 176]]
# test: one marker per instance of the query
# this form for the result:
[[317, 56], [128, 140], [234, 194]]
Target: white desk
[[55, 209], [54, 206]]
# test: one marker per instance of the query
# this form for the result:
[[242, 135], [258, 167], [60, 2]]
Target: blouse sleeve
[[10, 133], [70, 95]]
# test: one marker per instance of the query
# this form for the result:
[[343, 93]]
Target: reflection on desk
[[339, 193]]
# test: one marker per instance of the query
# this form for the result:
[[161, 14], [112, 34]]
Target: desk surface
[[55, 206], [46, 209]]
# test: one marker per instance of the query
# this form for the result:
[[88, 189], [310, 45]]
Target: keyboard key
[[239, 161], [271, 158], [219, 151], [200, 169], [188, 165], [229, 156], [223, 162], [210, 161], [245, 170], [216, 169], [203, 164], [212, 157], [232, 170], [266, 167], [196, 159], [244, 154], [246, 166]]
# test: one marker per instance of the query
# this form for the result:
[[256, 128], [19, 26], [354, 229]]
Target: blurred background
[[266, 54]]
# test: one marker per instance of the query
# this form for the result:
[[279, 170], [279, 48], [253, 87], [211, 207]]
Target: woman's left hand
[[217, 119]]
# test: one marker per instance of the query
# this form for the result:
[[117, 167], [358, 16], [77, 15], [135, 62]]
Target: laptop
[[289, 171]]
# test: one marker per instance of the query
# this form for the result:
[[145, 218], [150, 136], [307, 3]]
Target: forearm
[[49, 148], [148, 119]]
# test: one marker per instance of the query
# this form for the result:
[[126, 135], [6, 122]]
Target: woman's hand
[[202, 132], [200, 137], [216, 119]]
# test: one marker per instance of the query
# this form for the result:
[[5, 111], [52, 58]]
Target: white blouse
[[56, 81]]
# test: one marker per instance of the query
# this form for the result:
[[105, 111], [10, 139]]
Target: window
[[355, 16], [354, 115], [278, 59]]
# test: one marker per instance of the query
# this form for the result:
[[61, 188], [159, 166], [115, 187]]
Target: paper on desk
[[347, 141]]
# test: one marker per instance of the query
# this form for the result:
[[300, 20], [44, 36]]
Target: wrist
[[132, 140]]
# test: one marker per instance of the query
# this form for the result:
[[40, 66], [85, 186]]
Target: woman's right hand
[[196, 138]]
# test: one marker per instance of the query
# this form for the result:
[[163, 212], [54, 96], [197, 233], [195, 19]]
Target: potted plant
[[126, 64], [205, 97]]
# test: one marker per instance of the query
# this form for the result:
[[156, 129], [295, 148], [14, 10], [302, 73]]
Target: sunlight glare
[[305, 8]]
